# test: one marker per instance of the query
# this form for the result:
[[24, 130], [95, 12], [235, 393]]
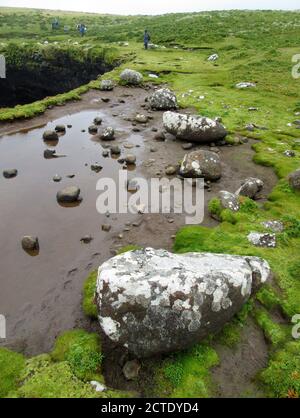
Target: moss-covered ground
[[252, 46]]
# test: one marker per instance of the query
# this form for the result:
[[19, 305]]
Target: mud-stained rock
[[30, 243], [250, 187], [50, 136], [152, 301], [294, 179], [201, 164], [131, 77], [193, 128], [163, 99], [68, 195], [106, 85]]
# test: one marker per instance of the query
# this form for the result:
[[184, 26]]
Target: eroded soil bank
[[41, 296]]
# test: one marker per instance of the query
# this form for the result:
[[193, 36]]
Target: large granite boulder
[[131, 77], [163, 99], [193, 128], [152, 301], [201, 164]]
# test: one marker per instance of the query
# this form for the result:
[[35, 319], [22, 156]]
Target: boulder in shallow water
[[50, 136], [152, 301], [193, 128]]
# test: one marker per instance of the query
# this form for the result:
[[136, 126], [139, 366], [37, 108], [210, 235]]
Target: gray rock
[[187, 146], [130, 159], [275, 226], [171, 170], [160, 136], [93, 129], [131, 369], [96, 167], [227, 201], [201, 164], [294, 179], [105, 153], [106, 228], [30, 243], [68, 195], [193, 128], [50, 153], [50, 136], [97, 121], [86, 239], [57, 178], [131, 77], [245, 85], [115, 150], [250, 187], [106, 85], [152, 302], [99, 387], [213, 58], [10, 173], [140, 118], [108, 134], [163, 99], [60, 128], [262, 240], [289, 153]]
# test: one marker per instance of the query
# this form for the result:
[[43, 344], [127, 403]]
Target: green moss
[[282, 376], [228, 216], [82, 351], [267, 297], [89, 303], [274, 332], [128, 248], [11, 366], [215, 207]]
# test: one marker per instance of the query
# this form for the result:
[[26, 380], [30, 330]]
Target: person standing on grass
[[146, 39]]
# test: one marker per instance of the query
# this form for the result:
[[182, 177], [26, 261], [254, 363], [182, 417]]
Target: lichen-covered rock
[[245, 85], [294, 179], [131, 77], [201, 164], [213, 58], [193, 128], [250, 187], [229, 201], [275, 226], [106, 85], [108, 134], [163, 99], [262, 240], [152, 301]]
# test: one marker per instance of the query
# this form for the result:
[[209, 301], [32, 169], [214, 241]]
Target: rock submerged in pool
[[10, 173], [50, 136], [152, 301], [193, 128], [68, 195]]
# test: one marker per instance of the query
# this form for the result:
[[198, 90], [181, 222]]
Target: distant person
[[82, 29], [146, 39]]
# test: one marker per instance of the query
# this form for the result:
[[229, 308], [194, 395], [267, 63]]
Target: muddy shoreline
[[41, 296]]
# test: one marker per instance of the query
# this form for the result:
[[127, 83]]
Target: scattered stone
[[96, 167], [50, 136], [131, 369], [140, 118], [108, 134], [245, 85], [128, 145], [86, 239], [49, 153], [106, 228], [227, 200], [262, 240], [10, 173], [106, 85], [171, 170], [99, 387], [115, 150], [70, 176], [68, 195], [136, 129], [160, 136], [97, 121], [132, 186], [69, 126], [153, 149], [252, 109], [219, 119], [130, 159], [250, 187], [193, 128], [131, 77], [105, 99], [275, 226], [154, 129], [93, 129], [30, 243], [187, 146], [57, 178], [168, 302], [201, 164], [163, 99], [105, 153], [289, 153], [294, 179]]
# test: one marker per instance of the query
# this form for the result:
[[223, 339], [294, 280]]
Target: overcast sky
[[151, 6]]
